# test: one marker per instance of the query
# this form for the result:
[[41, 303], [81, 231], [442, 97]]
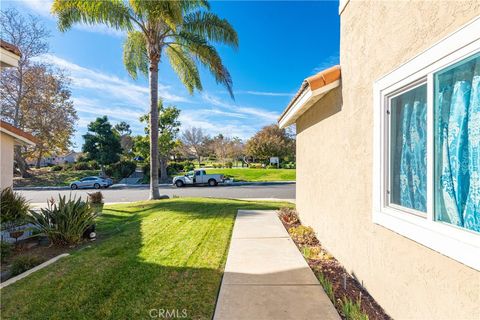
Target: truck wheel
[[179, 183], [212, 182]]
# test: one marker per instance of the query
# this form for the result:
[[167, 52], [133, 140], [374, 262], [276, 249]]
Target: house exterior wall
[[6, 160], [335, 156]]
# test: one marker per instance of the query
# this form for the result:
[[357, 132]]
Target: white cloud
[[263, 115], [42, 8], [105, 84], [264, 93], [328, 62]]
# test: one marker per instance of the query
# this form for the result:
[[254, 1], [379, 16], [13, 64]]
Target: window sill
[[451, 241]]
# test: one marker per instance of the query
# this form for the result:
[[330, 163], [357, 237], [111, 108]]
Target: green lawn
[[45, 177], [241, 174], [166, 254]]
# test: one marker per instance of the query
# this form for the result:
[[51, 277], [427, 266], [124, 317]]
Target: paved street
[[278, 191]]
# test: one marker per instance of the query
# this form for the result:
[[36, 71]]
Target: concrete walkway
[[266, 277]]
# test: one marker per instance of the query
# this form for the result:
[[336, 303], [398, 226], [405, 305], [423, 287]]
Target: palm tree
[[182, 30]]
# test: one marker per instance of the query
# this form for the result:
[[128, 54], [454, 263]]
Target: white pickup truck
[[197, 177]]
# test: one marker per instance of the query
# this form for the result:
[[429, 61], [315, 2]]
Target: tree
[[220, 145], [101, 142], [182, 30], [192, 140], [123, 128], [30, 36], [168, 128], [236, 149], [271, 141], [48, 112], [126, 141]]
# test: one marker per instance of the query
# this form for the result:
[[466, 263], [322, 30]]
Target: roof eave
[[305, 100]]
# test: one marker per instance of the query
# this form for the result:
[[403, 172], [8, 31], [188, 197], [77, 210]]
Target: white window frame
[[455, 242]]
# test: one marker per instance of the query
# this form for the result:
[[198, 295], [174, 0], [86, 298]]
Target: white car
[[91, 182], [197, 177]]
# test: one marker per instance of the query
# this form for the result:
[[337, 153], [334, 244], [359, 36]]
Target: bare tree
[[30, 36], [192, 140]]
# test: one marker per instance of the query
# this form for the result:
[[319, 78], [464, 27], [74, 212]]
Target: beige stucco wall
[[334, 165], [6, 160]]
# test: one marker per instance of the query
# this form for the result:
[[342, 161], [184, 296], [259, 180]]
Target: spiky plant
[[183, 30]]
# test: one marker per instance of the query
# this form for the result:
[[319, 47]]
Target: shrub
[[93, 164], [23, 263], [303, 235], [288, 165], [216, 165], [352, 310], [5, 249], [56, 168], [327, 286], [13, 208], [229, 164], [121, 169], [288, 215], [95, 197], [81, 166], [271, 166], [188, 167], [64, 223], [314, 253], [255, 166]]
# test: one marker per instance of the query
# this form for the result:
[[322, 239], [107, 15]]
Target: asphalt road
[[277, 191]]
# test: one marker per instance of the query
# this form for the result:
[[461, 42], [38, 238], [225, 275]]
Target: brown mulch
[[344, 284]]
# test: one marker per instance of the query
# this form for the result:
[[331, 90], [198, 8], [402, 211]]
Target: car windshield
[[189, 174]]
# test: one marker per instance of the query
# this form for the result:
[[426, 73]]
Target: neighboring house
[[70, 157], [9, 55], [388, 154], [10, 136]]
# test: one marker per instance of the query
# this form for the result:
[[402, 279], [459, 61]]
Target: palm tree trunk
[[154, 192]]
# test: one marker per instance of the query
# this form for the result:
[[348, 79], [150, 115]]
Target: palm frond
[[135, 56], [208, 56], [184, 67], [211, 27], [113, 13]]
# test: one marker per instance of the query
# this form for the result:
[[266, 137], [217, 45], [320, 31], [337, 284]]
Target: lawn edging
[[34, 269]]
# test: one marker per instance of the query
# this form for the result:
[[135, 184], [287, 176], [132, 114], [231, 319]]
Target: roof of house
[[17, 133], [317, 86], [10, 47]]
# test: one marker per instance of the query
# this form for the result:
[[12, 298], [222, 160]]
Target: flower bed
[[351, 300]]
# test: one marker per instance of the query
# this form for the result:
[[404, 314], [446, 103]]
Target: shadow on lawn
[[166, 255]]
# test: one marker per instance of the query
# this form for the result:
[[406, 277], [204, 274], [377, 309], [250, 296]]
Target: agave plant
[[65, 222]]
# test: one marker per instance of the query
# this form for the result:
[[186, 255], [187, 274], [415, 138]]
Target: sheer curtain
[[409, 149], [457, 144]]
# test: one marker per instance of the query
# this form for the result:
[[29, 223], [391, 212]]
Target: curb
[[29, 272]]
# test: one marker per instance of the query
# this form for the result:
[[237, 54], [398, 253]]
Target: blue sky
[[281, 43]]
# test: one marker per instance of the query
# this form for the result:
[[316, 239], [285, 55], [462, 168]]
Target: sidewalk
[[266, 277]]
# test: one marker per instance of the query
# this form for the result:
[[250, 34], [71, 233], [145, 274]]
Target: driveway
[[253, 191]]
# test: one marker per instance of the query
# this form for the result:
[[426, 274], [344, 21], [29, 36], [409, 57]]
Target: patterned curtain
[[458, 145], [409, 155]]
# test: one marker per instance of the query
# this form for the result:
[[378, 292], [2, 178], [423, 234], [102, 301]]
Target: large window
[[427, 147], [457, 144]]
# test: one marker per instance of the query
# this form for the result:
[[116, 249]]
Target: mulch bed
[[344, 285]]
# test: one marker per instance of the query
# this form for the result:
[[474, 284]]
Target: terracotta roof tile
[[8, 127], [315, 82], [10, 47]]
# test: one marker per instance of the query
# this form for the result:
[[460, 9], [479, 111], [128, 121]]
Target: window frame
[[455, 242]]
